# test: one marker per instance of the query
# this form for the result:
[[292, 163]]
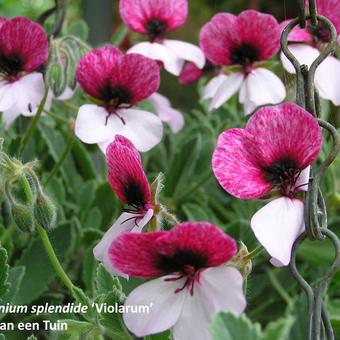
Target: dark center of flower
[[321, 32], [134, 194], [155, 28], [186, 263], [244, 54], [116, 96], [10, 65], [283, 175]]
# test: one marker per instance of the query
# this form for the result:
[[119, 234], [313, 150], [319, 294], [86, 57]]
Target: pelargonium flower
[[306, 44], [128, 181], [117, 82], [23, 52], [191, 279], [155, 18], [166, 112], [242, 41], [273, 152]]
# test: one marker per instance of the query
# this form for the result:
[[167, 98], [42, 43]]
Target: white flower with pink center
[[273, 152], [242, 41], [128, 181], [305, 44], [190, 278], [155, 18], [23, 52], [117, 82]]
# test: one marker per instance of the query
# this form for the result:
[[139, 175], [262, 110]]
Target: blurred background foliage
[[87, 205]]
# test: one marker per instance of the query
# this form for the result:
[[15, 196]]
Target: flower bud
[[242, 262], [45, 212], [22, 216]]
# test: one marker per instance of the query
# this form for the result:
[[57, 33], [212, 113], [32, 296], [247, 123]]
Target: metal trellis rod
[[315, 214]]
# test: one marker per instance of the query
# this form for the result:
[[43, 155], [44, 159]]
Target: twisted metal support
[[315, 213]]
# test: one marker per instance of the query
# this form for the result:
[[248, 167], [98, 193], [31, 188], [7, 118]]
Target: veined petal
[[212, 86], [172, 63], [277, 225], [186, 51], [260, 87], [228, 88], [303, 179], [165, 306]]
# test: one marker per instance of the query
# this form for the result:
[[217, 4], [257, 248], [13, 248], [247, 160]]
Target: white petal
[[166, 113], [228, 88], [277, 225], [193, 321], [90, 124], [222, 289], [9, 117], [67, 94], [172, 63], [186, 51], [303, 180], [212, 86], [31, 90], [165, 306], [327, 79], [126, 222], [7, 95], [260, 87], [305, 54], [142, 128]]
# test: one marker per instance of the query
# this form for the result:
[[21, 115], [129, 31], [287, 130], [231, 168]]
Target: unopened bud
[[22, 216], [45, 212], [55, 78], [241, 261]]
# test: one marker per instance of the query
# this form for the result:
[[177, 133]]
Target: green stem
[[53, 258], [34, 122], [57, 166], [258, 250]]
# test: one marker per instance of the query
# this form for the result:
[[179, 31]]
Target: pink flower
[[128, 181], [166, 112], [190, 74], [274, 151], [306, 44], [117, 82], [155, 18], [242, 40], [23, 51], [190, 281]]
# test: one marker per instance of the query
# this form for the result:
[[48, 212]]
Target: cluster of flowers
[[190, 266]]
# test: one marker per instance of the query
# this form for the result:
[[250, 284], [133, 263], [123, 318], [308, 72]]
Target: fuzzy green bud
[[45, 212], [22, 216]]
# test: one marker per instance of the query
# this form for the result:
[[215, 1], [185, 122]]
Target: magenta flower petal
[[195, 244], [217, 38], [251, 36], [293, 133], [95, 69], [138, 74], [144, 16], [126, 174], [235, 169], [297, 34], [23, 43], [190, 73], [331, 10]]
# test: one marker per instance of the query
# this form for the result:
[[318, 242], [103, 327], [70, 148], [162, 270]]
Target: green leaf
[[4, 285], [15, 277], [82, 298], [227, 326], [79, 29], [32, 337], [89, 271], [93, 219], [80, 329], [105, 283], [279, 329]]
